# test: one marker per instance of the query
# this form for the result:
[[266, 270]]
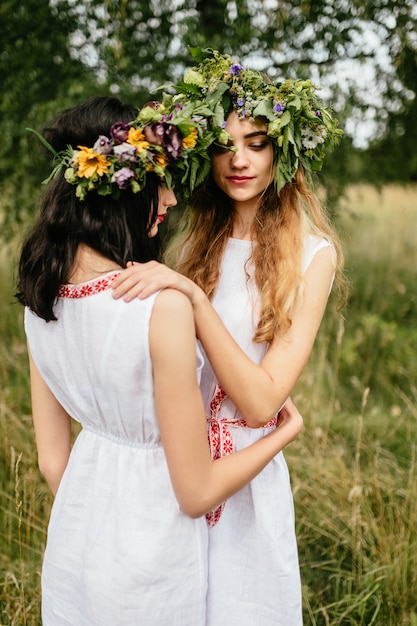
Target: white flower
[[311, 137]]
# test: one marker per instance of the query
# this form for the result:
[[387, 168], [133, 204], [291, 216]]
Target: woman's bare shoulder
[[171, 302], [172, 317]]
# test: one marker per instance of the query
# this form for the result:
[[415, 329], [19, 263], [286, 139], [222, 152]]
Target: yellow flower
[[159, 164], [142, 146], [191, 139], [90, 162], [162, 160], [137, 138]]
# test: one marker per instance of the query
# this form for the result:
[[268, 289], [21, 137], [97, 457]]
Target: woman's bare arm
[[52, 426], [200, 484], [258, 391]]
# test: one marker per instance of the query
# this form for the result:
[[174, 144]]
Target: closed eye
[[259, 146]]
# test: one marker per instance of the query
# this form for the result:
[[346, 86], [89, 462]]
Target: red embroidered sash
[[221, 441]]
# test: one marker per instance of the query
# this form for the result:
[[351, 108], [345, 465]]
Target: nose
[[238, 159], [167, 197]]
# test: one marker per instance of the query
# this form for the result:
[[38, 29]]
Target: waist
[[122, 439], [240, 422]]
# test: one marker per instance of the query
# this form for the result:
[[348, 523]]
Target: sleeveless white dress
[[254, 577], [119, 550]]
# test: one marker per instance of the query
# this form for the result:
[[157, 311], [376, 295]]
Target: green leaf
[[199, 54], [218, 117], [286, 140], [294, 102], [265, 109], [285, 118], [43, 141], [215, 97]]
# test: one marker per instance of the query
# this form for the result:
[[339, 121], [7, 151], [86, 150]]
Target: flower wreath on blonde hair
[[299, 126]]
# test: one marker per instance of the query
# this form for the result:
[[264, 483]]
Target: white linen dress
[[254, 577], [119, 550]]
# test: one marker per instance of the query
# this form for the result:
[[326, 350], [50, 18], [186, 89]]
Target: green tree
[[138, 43], [354, 49], [38, 75], [394, 157], [54, 53]]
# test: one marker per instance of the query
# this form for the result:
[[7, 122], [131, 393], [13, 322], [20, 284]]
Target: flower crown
[[172, 143], [300, 127]]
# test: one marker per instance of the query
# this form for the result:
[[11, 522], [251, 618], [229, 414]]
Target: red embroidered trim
[[221, 441], [87, 289]]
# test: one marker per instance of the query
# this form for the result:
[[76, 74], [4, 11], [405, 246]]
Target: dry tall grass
[[353, 468]]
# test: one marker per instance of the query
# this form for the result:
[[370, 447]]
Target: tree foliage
[[54, 53], [38, 76]]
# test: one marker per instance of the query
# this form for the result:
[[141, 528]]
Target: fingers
[[134, 282], [140, 280], [128, 292], [289, 408], [290, 417], [136, 287]]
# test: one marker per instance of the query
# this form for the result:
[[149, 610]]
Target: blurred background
[[353, 468], [362, 54]]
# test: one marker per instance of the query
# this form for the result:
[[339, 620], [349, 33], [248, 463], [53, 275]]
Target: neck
[[244, 216], [89, 264]]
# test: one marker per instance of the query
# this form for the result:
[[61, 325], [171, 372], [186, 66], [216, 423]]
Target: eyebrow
[[257, 133]]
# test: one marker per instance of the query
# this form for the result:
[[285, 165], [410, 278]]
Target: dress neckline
[[89, 287], [243, 242]]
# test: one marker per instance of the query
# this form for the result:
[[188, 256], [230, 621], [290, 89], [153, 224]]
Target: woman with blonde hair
[[257, 257]]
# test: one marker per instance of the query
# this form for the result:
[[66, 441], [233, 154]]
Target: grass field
[[354, 467]]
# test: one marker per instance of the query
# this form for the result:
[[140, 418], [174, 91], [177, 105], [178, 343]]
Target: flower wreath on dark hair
[[171, 141]]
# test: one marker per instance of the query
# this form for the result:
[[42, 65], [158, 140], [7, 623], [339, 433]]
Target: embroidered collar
[[89, 288]]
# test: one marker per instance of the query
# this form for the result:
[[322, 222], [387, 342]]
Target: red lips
[[239, 180]]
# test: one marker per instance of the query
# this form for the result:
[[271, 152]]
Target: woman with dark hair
[[127, 540]]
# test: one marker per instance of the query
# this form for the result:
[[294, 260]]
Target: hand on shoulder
[[140, 280]]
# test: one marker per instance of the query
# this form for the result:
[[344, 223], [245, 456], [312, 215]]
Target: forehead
[[240, 127]]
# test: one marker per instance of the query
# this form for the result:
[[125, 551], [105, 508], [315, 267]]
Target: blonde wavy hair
[[279, 228]]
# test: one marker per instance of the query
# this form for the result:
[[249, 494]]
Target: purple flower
[[103, 145], [154, 104], [278, 108], [166, 135], [119, 132], [224, 124], [126, 153], [235, 69], [172, 141], [200, 120], [318, 113], [240, 102], [122, 178], [155, 133]]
